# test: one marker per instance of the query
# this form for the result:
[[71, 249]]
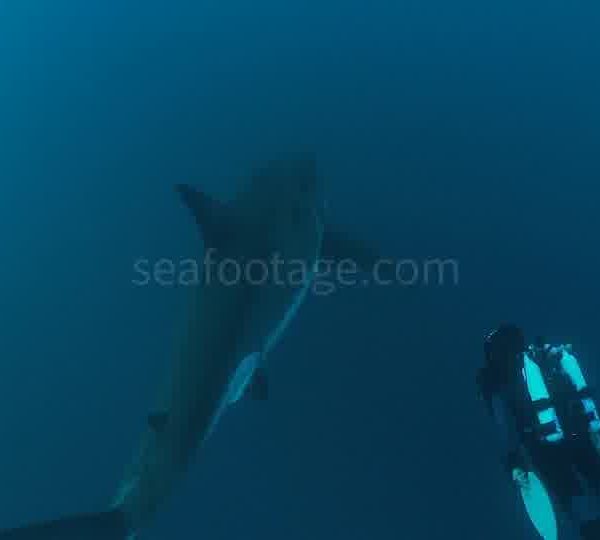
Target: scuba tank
[[548, 428], [583, 405], [559, 392]]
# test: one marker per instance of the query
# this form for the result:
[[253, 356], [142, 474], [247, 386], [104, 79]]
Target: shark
[[233, 325]]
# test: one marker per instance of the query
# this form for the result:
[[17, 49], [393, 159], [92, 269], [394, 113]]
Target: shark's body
[[232, 328], [234, 322]]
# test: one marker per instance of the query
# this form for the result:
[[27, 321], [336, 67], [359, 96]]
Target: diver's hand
[[515, 460], [520, 477]]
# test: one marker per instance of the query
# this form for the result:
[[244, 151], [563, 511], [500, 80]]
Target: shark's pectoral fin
[[158, 420], [212, 216], [338, 247], [258, 389], [111, 525]]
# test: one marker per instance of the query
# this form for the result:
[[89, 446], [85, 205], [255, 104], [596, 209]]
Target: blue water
[[467, 131]]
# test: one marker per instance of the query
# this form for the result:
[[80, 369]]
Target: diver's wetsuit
[[565, 458]]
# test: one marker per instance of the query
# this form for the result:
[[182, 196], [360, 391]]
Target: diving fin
[[538, 503], [591, 530], [109, 525]]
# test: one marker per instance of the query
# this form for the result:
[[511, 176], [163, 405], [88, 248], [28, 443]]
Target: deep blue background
[[466, 130]]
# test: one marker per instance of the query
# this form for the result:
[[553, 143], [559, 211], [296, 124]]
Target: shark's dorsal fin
[[212, 216], [158, 420]]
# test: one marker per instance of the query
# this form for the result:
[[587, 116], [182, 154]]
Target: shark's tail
[[109, 525]]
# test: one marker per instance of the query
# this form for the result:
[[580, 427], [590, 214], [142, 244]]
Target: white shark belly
[[288, 316], [245, 371], [300, 297]]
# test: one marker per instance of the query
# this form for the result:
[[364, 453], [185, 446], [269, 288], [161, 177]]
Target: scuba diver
[[549, 427]]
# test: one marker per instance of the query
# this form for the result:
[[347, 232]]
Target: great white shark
[[233, 326]]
